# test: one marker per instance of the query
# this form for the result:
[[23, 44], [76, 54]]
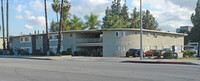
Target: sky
[[26, 16]]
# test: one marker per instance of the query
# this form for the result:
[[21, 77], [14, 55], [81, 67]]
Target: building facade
[[189, 28], [108, 42]]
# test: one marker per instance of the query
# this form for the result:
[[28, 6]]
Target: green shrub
[[188, 53], [38, 53], [1, 52], [52, 53], [158, 55], [24, 53], [11, 51], [168, 55], [69, 51]]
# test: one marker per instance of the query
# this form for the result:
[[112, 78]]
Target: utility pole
[[8, 38], [141, 51]]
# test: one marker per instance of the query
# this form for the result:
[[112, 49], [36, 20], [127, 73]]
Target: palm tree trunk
[[4, 44], [59, 36], [47, 30], [8, 38]]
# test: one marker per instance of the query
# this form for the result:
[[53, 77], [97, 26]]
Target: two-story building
[[109, 41]]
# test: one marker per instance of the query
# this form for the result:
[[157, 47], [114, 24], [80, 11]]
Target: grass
[[187, 58]]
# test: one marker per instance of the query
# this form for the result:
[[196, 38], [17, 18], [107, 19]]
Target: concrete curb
[[161, 62]]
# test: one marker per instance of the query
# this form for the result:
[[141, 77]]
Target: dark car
[[133, 52]]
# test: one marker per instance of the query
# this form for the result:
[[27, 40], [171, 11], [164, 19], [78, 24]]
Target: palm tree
[[47, 30], [92, 21], [59, 35], [76, 22], [8, 39], [4, 46], [56, 7], [66, 15]]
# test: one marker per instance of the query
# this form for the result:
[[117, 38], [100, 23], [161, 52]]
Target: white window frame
[[123, 33], [148, 35], [23, 41], [117, 48], [55, 36], [117, 34]]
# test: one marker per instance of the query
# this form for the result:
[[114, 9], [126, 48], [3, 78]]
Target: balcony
[[89, 42]]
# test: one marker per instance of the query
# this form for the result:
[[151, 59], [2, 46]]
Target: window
[[25, 39], [117, 34], [57, 36], [123, 48], [155, 35], [123, 33], [148, 34], [21, 39], [50, 37], [70, 35], [117, 48]]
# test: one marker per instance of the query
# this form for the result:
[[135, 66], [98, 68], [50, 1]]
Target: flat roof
[[101, 30]]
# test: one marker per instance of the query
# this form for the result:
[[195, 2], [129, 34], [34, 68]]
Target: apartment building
[[109, 41]]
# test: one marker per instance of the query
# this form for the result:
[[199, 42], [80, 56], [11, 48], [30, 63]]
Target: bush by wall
[[168, 55], [188, 53], [158, 55]]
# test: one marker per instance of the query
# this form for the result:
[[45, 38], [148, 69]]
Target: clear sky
[[26, 16]]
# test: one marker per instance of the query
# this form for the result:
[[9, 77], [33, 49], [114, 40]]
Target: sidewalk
[[36, 57], [108, 59], [164, 61]]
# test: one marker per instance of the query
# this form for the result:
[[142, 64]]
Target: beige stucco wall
[[118, 45]]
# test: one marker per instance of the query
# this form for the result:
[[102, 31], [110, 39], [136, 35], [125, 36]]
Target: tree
[[8, 38], [92, 21], [194, 35], [4, 44], [125, 15], [47, 30], [59, 34], [56, 7], [77, 23], [149, 21], [108, 14], [135, 19], [66, 15], [54, 26], [113, 17], [118, 7]]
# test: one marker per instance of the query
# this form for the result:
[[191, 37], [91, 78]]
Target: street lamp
[[141, 51]]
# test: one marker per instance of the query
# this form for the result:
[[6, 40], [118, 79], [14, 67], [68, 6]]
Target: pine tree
[[125, 15], [106, 18], [113, 7], [194, 35], [118, 7], [135, 21], [149, 21]]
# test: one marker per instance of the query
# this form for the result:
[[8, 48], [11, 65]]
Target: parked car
[[152, 52], [133, 52]]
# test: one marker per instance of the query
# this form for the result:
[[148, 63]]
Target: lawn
[[187, 58]]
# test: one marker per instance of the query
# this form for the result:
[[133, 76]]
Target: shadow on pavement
[[28, 58]]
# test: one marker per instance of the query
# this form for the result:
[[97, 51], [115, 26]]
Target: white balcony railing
[[90, 40]]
